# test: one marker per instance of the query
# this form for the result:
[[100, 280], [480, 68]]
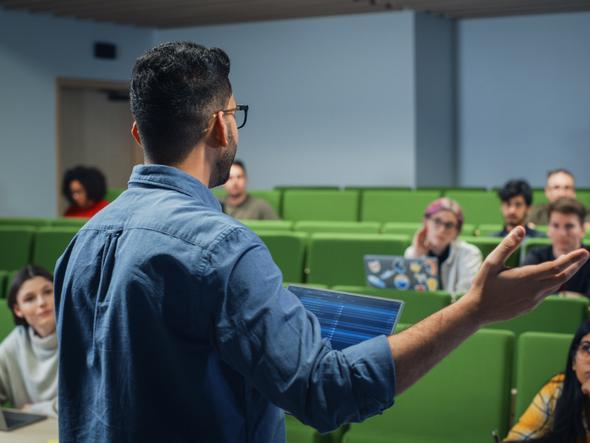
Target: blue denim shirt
[[174, 327]]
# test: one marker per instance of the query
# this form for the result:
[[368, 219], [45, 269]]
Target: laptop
[[10, 420], [347, 319], [396, 272]]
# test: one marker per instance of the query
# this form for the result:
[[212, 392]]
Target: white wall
[[524, 98], [34, 51], [331, 99]]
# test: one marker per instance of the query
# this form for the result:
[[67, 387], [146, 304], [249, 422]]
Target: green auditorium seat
[[554, 314], [49, 244], [396, 206], [312, 227], [488, 244], [539, 197], [539, 357], [6, 320], [24, 221], [272, 197], [268, 225], [3, 284], [69, 222], [403, 228], [113, 193], [583, 196], [219, 192], [288, 252], [15, 246], [487, 230], [462, 400], [337, 259], [329, 205], [534, 243], [418, 305], [478, 206]]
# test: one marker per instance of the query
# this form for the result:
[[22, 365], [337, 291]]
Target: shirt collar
[[168, 177]]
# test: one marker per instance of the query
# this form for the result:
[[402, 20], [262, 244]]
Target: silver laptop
[[396, 272], [10, 420]]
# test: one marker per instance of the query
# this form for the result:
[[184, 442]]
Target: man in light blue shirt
[[172, 319]]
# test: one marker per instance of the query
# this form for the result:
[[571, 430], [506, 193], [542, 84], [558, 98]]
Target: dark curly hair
[[514, 188], [175, 89], [92, 179], [26, 273]]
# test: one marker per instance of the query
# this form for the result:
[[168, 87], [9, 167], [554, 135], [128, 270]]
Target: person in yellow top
[[560, 411]]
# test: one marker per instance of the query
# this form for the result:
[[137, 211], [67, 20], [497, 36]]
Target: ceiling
[[177, 13]]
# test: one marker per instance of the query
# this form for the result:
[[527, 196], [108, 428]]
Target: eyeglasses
[[240, 113], [584, 350], [447, 226]]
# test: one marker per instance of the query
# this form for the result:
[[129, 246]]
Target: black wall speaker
[[105, 50]]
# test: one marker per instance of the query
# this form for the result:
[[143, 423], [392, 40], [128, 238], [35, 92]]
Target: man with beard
[[173, 323], [516, 197]]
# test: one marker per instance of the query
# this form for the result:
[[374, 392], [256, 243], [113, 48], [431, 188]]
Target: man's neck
[[236, 200]]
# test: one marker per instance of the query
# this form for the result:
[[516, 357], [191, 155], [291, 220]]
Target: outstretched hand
[[500, 294]]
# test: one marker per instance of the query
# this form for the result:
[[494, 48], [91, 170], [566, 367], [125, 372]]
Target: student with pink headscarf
[[458, 261]]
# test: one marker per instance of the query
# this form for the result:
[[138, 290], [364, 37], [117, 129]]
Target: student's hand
[[419, 243], [500, 294]]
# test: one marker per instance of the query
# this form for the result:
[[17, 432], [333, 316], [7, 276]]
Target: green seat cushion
[[396, 205], [288, 252], [15, 246], [330, 205], [49, 245]]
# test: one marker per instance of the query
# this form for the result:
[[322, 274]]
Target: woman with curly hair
[[85, 189]]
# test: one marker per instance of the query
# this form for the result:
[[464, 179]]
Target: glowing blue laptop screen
[[348, 319]]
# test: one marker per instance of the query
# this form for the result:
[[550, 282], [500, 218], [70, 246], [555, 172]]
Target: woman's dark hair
[[175, 90], [26, 273], [568, 424], [92, 179]]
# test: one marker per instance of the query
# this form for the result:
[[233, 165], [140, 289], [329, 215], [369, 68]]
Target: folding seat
[[418, 305], [331, 205], [338, 259], [311, 227], [288, 252], [531, 243], [539, 357], [15, 246], [269, 225], [583, 196], [478, 206], [554, 314], [461, 400], [49, 244], [396, 206], [539, 197]]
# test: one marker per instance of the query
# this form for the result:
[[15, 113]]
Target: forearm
[[419, 348]]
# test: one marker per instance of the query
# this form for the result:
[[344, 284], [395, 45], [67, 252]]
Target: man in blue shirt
[[172, 319]]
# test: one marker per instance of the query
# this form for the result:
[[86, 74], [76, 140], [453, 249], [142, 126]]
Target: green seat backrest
[[478, 206], [219, 192], [418, 305], [539, 357], [268, 225], [462, 399], [396, 206], [320, 205], [554, 314], [6, 320], [487, 230], [583, 196], [288, 252], [69, 222], [15, 246], [113, 193], [488, 244], [3, 284], [404, 228], [272, 197], [534, 243], [539, 197], [338, 259], [312, 227], [24, 221], [49, 244]]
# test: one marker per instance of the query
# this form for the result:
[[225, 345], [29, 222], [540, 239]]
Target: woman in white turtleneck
[[28, 356]]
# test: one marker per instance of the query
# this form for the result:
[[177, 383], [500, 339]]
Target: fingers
[[574, 264], [565, 266], [497, 258]]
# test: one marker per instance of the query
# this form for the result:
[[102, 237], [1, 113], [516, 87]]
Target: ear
[[17, 311], [135, 133], [220, 130]]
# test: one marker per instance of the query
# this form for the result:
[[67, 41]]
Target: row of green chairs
[[466, 397]]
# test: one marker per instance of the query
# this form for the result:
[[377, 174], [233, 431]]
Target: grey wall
[[436, 146], [524, 98], [331, 99], [34, 51]]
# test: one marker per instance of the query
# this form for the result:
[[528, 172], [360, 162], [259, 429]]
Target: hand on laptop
[[500, 294]]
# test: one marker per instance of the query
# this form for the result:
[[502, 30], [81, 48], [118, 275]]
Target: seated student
[[85, 189], [238, 203], [566, 231], [458, 261], [560, 184], [560, 411], [28, 356], [516, 197]]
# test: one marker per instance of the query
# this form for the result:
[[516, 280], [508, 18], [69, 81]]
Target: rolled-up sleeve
[[263, 331]]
